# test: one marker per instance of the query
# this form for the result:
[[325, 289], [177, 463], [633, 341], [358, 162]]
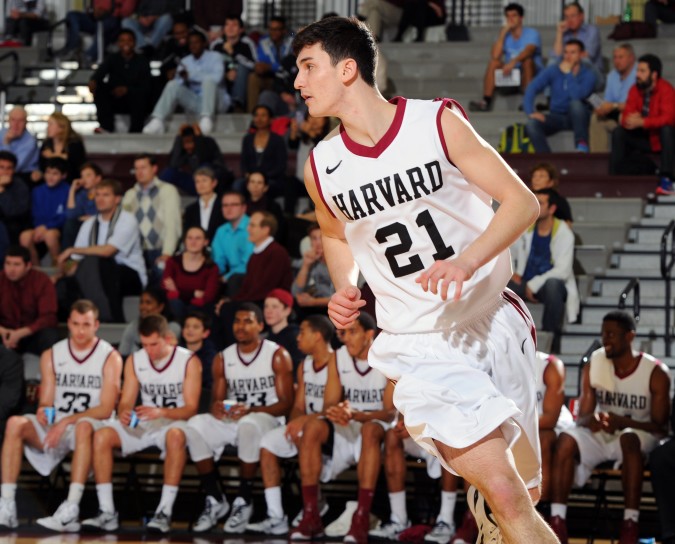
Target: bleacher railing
[[14, 57], [667, 262], [634, 286]]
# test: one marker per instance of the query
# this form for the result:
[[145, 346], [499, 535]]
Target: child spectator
[[81, 204], [196, 331], [49, 211]]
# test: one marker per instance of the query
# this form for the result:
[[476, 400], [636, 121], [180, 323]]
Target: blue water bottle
[[651, 540]]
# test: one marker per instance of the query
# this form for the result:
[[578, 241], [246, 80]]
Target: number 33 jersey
[[78, 378], [405, 205], [250, 376]]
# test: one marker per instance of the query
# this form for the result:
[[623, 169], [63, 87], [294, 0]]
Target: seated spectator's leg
[[239, 85], [580, 115], [11, 27], [658, 10], [111, 26], [618, 152], [369, 9], [39, 341], [599, 133], [489, 80], [552, 295], [174, 93], [518, 288], [528, 69], [118, 281], [26, 240], [667, 135], [538, 130], [651, 12], [209, 99], [77, 22], [234, 284], [138, 111], [160, 29], [256, 84], [274, 102], [662, 464], [53, 243], [70, 229], [28, 27], [105, 109], [131, 23]]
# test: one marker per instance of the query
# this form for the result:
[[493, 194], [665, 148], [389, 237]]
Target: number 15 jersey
[[406, 205]]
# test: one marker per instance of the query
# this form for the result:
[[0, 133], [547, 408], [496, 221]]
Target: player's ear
[[349, 70]]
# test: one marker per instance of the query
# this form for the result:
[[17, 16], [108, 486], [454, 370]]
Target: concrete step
[[613, 300], [604, 234], [606, 210], [661, 210], [608, 287], [592, 258], [648, 317], [646, 236], [644, 260], [629, 273], [639, 247]]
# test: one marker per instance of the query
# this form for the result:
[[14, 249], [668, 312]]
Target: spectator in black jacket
[[14, 198], [121, 84], [11, 385], [174, 49], [206, 212]]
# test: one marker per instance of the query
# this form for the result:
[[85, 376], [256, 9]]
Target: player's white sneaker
[[270, 526], [340, 527], [213, 512], [154, 126], [488, 531], [8, 519], [323, 510], [441, 533], [238, 520], [65, 519], [160, 523], [104, 521], [389, 530]]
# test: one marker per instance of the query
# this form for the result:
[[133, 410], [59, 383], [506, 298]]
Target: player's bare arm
[[47, 385], [332, 393], [298, 416], [482, 166], [130, 390], [282, 365], [554, 398], [587, 416], [219, 387]]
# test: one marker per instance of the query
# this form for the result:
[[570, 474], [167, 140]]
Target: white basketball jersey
[[78, 380], [250, 376], [362, 385], [315, 384], [565, 418], [631, 396], [405, 205], [162, 386]]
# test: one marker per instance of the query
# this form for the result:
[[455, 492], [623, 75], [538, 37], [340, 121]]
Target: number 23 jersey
[[250, 376], [405, 205]]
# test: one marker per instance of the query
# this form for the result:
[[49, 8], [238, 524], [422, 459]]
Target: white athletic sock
[[399, 512], [8, 491], [104, 492], [447, 513], [273, 499], [633, 515], [169, 493], [75, 493], [559, 510]]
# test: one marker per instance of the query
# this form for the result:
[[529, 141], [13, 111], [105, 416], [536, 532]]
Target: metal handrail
[[585, 359], [633, 285], [50, 40], [15, 69], [666, 273]]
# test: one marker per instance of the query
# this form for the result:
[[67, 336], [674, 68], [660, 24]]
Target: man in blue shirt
[[516, 47], [196, 87], [574, 27], [570, 83], [18, 140], [619, 82]]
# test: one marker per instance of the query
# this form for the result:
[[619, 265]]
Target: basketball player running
[[403, 192], [81, 382], [169, 380]]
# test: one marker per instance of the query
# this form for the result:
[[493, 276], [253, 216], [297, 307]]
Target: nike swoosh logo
[[331, 170], [522, 346]]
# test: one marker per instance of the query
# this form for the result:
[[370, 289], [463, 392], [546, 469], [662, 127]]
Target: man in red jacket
[[647, 122]]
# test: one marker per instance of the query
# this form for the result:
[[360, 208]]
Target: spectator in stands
[[420, 14], [191, 278], [239, 54], [544, 256], [272, 49], [156, 206], [210, 15], [81, 204], [191, 151], [517, 47], [62, 142], [153, 301], [108, 259], [168, 380], [381, 14], [662, 465], [660, 10], [258, 199], [264, 151], [105, 12], [151, 22], [48, 208], [647, 123], [80, 383], [196, 87], [174, 49], [619, 82], [11, 386], [27, 305], [623, 413], [574, 27], [545, 176], [18, 140], [570, 82], [195, 337], [312, 286], [231, 247], [277, 309], [24, 17], [205, 212], [121, 84], [14, 198]]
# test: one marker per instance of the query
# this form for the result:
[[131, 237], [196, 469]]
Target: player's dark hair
[[553, 196], [367, 321], [253, 308], [200, 316], [322, 325], [653, 62], [514, 7], [57, 163], [342, 38], [83, 306], [153, 323], [574, 5], [624, 320], [18, 251], [578, 43]]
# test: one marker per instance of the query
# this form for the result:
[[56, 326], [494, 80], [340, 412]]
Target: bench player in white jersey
[[81, 378], [357, 407], [554, 417], [623, 413], [316, 332], [256, 376], [169, 380], [403, 193]]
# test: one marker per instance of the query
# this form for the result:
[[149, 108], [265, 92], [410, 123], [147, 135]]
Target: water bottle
[[627, 16], [651, 540]]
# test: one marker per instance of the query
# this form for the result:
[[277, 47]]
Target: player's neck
[[321, 354], [84, 346], [249, 346], [626, 363], [366, 116]]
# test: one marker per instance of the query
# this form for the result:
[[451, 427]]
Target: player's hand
[[238, 411], [294, 428], [147, 413], [41, 416], [54, 435], [217, 409], [125, 417], [442, 274], [343, 307], [340, 414], [611, 422], [595, 423]]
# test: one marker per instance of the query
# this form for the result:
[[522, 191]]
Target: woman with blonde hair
[[61, 141]]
